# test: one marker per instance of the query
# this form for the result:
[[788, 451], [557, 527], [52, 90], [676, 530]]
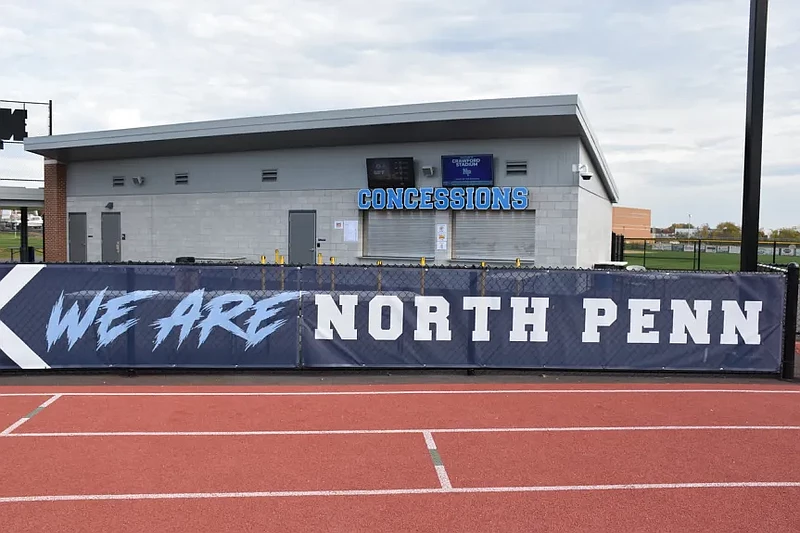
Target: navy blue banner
[[545, 319], [85, 316], [154, 316]]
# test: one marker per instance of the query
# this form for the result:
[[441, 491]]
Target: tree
[[727, 230], [786, 235]]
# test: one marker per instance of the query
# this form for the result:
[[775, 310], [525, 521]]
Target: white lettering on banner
[[376, 306], [593, 319], [529, 319], [521, 319], [640, 321], [481, 305], [695, 323], [330, 317], [745, 323], [432, 310]]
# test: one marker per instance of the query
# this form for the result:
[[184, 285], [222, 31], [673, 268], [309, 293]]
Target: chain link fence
[[256, 315]]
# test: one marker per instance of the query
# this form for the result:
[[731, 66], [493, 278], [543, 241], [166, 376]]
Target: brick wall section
[[55, 211], [632, 222]]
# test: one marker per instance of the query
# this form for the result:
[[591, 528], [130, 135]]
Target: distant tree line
[[732, 231]]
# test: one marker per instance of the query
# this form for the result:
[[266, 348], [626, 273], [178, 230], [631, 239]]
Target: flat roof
[[502, 118], [16, 197]]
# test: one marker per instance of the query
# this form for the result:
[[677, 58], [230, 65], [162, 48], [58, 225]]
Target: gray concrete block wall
[[163, 227], [234, 225], [226, 211]]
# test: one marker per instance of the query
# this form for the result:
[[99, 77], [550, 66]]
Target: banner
[[569, 319], [149, 316], [253, 316]]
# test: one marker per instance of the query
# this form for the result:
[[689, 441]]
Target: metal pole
[[50, 120], [790, 331], [23, 235], [753, 135]]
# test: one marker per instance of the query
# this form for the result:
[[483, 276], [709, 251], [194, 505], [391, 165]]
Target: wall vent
[[118, 181], [269, 174], [182, 179], [516, 168]]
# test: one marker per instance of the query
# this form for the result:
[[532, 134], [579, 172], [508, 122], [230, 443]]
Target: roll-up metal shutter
[[487, 235], [401, 234]]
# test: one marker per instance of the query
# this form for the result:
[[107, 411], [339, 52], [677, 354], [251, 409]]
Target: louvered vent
[[118, 181], [182, 179], [516, 168], [269, 174]]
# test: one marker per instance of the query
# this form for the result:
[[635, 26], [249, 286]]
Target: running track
[[510, 458]]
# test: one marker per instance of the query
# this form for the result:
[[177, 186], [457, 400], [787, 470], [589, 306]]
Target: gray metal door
[[111, 236], [302, 237], [77, 238]]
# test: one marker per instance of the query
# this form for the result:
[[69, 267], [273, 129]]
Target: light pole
[[753, 134]]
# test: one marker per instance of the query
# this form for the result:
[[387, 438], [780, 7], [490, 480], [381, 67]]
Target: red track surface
[[37, 468]]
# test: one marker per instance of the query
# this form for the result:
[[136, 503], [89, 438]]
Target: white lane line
[[425, 432], [441, 473], [7, 432], [13, 426], [421, 392], [392, 492]]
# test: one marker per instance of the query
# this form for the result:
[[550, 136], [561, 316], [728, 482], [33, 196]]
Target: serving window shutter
[[494, 235], [401, 234]]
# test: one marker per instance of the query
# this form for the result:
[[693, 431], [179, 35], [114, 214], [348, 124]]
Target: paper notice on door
[[351, 231]]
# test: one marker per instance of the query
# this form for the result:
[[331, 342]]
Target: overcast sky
[[663, 81]]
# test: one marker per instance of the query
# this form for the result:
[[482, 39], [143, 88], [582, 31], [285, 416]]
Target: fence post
[[699, 249], [283, 272], [774, 252], [333, 273], [422, 263], [483, 278], [380, 275], [263, 273], [790, 327], [644, 253]]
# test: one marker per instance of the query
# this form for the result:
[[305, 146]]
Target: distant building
[[632, 222]]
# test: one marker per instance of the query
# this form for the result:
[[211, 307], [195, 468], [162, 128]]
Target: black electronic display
[[391, 172]]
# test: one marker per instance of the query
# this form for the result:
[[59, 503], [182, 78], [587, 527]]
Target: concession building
[[453, 182]]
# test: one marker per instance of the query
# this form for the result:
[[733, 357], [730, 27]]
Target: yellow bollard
[[319, 258], [517, 262], [277, 256], [333, 274]]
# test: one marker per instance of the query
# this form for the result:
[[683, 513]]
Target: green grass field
[[9, 240], [672, 260]]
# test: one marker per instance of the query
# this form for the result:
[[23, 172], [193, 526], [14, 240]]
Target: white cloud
[[663, 80]]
